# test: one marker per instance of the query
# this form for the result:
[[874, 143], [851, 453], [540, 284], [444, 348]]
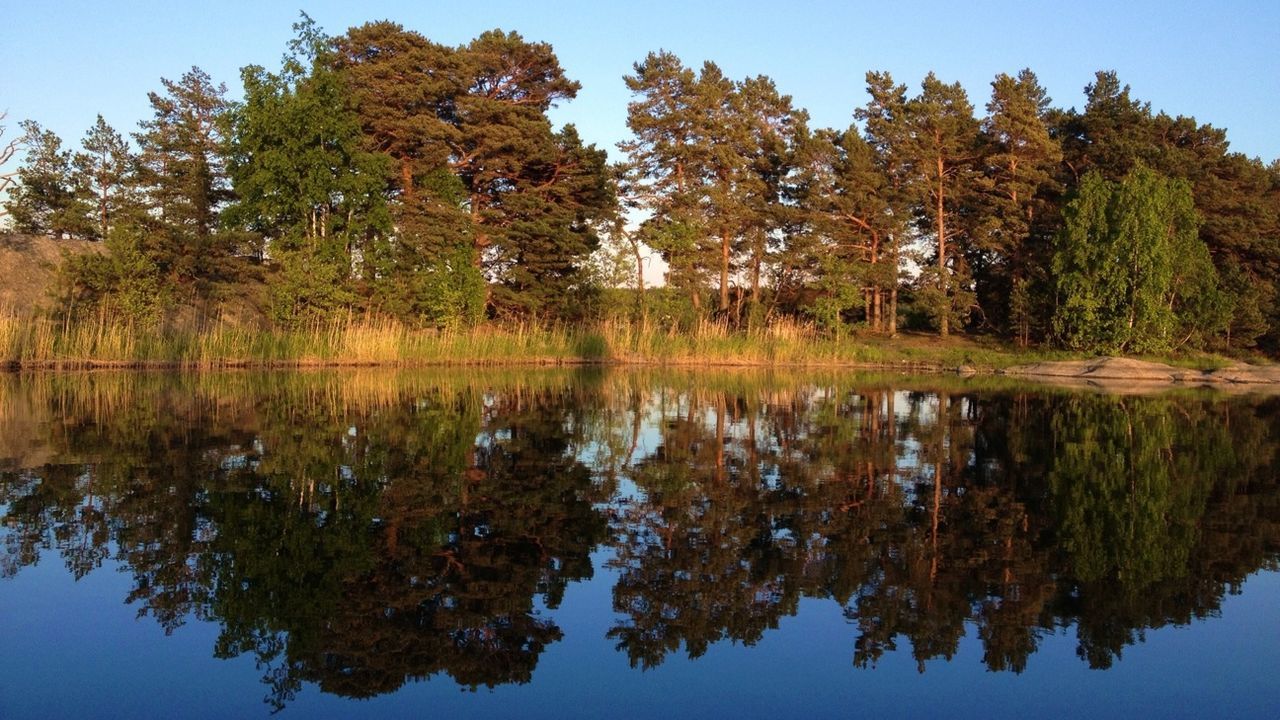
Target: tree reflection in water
[[361, 530]]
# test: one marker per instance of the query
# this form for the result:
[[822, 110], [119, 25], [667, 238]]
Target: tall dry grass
[[107, 340]]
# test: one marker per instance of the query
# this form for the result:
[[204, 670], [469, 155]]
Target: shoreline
[[1108, 374], [932, 367]]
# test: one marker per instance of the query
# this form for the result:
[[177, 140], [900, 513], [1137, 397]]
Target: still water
[[632, 544]]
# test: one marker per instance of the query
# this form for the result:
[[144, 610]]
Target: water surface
[[588, 543]]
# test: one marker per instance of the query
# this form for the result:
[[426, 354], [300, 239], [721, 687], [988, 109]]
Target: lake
[[587, 543]]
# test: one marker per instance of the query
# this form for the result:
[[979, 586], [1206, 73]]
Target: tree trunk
[[944, 326], [480, 243], [102, 208], [893, 311], [875, 320], [406, 178], [939, 468], [635, 248], [755, 279], [893, 290], [724, 269]]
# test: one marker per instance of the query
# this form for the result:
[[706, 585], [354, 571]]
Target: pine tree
[[1238, 210], [890, 134], [666, 165], [941, 155], [182, 169], [1019, 161], [47, 199], [404, 90], [106, 168], [849, 209], [712, 160], [550, 216], [534, 196], [479, 164], [775, 130], [1111, 135], [722, 136]]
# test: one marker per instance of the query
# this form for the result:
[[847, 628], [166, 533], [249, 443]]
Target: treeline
[[380, 172]]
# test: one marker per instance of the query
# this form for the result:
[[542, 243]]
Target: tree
[[7, 151], [480, 165], [1233, 194], [47, 199], [722, 135], [1131, 272], [1116, 129], [847, 197], [404, 91], [775, 130], [711, 161], [664, 166], [303, 179], [106, 171], [941, 154], [535, 197], [889, 132], [125, 281], [621, 258], [182, 169], [1019, 160], [551, 215]]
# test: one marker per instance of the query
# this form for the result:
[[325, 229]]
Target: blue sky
[[63, 62]]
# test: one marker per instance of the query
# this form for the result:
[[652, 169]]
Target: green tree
[[126, 280], [712, 161], [722, 136], [1131, 272], [846, 195], [404, 90], [480, 165], [47, 199], [887, 121], [1233, 195], [304, 181], [941, 154], [664, 167], [1018, 164], [1111, 135], [775, 130], [106, 170], [536, 197], [182, 170], [7, 151]]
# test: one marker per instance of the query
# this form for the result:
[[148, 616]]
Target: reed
[[105, 340]]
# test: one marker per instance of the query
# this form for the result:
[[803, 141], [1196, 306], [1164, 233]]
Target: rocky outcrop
[[1248, 374], [1112, 370]]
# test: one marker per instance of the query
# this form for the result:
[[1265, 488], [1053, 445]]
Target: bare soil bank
[[29, 266]]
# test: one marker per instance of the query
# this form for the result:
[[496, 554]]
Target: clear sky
[[63, 62]]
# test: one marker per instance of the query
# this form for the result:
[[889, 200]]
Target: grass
[[106, 341]]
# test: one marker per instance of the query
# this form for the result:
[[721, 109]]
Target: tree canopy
[[378, 171]]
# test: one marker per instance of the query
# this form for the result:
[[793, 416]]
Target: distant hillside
[[29, 267]]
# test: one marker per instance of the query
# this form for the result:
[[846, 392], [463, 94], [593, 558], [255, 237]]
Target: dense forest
[[378, 172]]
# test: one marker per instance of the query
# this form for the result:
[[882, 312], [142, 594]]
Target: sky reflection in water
[[567, 543]]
